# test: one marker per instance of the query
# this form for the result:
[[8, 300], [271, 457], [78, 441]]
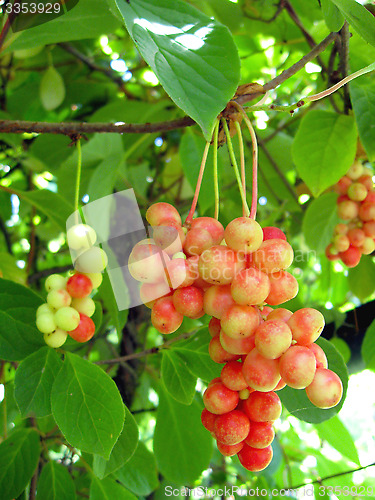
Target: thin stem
[[189, 218], [78, 178], [245, 207], [242, 160], [216, 179], [254, 199]]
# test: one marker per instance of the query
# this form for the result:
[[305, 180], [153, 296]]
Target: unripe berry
[[150, 292], [343, 185], [306, 324], [213, 226], [85, 306], [217, 353], [347, 209], [260, 373], [254, 459], [356, 237], [262, 406], [55, 282], [218, 399], [45, 308], [243, 235], [214, 327], [45, 322], [341, 242], [169, 236], [147, 262], [250, 286], [218, 265], [325, 391], [284, 287], [229, 450], [240, 321], [178, 274], [331, 253], [217, 299], [280, 314], [67, 318], [232, 428], [271, 233], [355, 171], [341, 228], [237, 346], [158, 212], [58, 299], [189, 301], [297, 367], [94, 260], [273, 338], [164, 316], [273, 255], [320, 356], [95, 278], [261, 434], [369, 229], [368, 246], [366, 180], [232, 377], [197, 241], [55, 339], [367, 211], [81, 236], [357, 191]]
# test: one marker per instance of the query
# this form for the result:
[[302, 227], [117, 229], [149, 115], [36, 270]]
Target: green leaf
[[46, 202], [139, 474], [362, 96], [33, 382], [52, 89], [18, 334], [19, 456], [193, 56], [108, 489], [182, 446], [55, 483], [362, 278], [342, 347], [368, 347], [360, 19], [319, 221], [118, 318], [178, 380], [194, 351], [87, 406], [332, 15], [88, 19], [10, 270], [298, 404], [122, 451], [324, 148], [337, 435]]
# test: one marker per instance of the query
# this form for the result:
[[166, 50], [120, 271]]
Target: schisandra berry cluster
[[235, 275], [69, 307], [356, 206]]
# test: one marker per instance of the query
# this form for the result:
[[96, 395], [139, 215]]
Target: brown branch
[[47, 272], [7, 24], [74, 128], [146, 352], [332, 476], [344, 62], [278, 11], [109, 73], [293, 15]]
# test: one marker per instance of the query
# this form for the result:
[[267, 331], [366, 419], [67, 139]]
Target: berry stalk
[[189, 218]]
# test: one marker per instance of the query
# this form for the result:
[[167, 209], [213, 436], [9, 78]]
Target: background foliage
[[73, 425]]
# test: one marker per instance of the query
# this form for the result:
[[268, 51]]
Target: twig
[[146, 352], [7, 239], [278, 11], [332, 476], [344, 62], [47, 272], [73, 128]]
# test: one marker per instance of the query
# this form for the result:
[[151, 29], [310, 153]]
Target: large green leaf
[[194, 351], [122, 451], [193, 56], [319, 220], [332, 15], [33, 382], [298, 404], [118, 318], [359, 18], [87, 406], [368, 347], [139, 474], [108, 489], [55, 483], [88, 19], [362, 95], [362, 278], [324, 148], [178, 379], [182, 446], [19, 456], [337, 435], [18, 334]]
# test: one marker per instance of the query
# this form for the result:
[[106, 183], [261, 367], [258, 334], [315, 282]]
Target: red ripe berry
[[228, 450], [79, 286], [85, 330], [208, 420], [343, 184], [270, 233], [351, 257], [254, 459]]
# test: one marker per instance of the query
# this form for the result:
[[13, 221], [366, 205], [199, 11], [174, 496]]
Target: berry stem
[[254, 200], [189, 218], [242, 160], [78, 177], [235, 166], [216, 179]]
